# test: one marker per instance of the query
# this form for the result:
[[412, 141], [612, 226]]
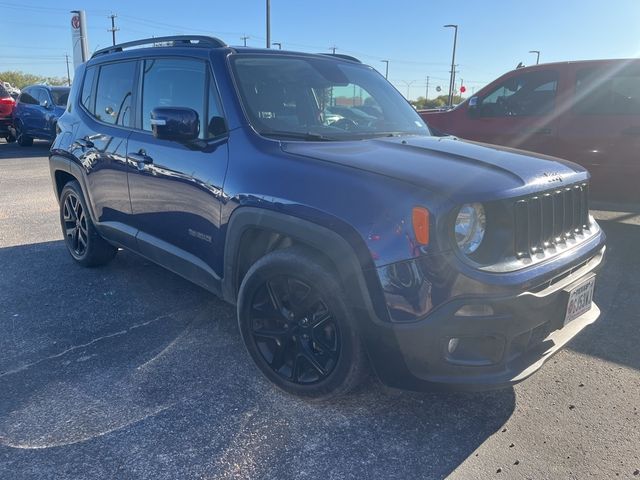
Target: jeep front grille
[[550, 218]]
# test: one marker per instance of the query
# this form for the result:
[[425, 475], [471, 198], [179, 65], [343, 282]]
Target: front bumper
[[504, 338]]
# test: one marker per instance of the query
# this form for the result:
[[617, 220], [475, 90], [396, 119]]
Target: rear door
[[518, 112], [27, 111], [106, 110], [176, 195], [601, 130]]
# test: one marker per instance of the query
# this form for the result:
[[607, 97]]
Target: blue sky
[[494, 35]]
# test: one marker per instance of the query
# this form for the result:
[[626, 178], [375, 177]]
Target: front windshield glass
[[313, 98]]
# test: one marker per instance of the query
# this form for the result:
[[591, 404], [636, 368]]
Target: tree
[[21, 79], [441, 101]]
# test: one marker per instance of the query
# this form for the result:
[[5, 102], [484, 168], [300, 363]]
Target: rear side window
[[3, 92], [87, 97], [27, 98], [113, 93], [528, 94], [608, 91]]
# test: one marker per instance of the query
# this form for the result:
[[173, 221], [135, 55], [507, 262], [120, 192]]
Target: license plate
[[580, 299]]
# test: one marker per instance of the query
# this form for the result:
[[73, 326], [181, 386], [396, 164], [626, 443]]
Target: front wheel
[[297, 327], [84, 243]]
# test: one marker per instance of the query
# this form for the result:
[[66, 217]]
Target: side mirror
[[45, 104], [175, 123], [473, 107]]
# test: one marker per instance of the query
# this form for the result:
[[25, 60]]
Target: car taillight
[[7, 101]]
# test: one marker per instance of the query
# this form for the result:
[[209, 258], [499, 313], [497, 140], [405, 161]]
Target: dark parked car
[[433, 261], [37, 111], [587, 112], [7, 104]]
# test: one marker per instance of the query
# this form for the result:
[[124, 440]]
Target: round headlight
[[470, 227]]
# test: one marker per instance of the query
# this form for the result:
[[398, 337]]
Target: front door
[[176, 191], [518, 113]]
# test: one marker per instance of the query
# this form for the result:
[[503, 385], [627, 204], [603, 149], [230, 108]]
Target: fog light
[[475, 351]]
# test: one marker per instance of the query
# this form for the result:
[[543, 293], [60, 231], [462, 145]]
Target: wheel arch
[[64, 170], [254, 232]]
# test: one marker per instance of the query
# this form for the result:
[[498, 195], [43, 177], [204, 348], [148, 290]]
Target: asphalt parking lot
[[132, 372]]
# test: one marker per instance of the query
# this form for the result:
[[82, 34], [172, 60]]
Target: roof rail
[[175, 40], [343, 57]]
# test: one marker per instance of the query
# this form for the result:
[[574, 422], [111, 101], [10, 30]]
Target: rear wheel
[[84, 243], [296, 325], [23, 140], [10, 138]]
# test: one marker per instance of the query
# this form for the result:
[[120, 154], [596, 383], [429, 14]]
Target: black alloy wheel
[[84, 243], [294, 330], [75, 225]]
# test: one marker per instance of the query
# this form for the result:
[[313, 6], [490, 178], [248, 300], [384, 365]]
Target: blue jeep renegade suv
[[305, 190]]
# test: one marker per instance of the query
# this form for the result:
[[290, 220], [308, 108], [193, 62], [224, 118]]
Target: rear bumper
[[498, 340]]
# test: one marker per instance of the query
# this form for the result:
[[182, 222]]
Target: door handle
[[84, 142], [141, 158]]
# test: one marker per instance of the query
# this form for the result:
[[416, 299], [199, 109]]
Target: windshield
[[321, 99], [60, 96]]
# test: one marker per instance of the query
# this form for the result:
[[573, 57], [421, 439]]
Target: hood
[[447, 165]]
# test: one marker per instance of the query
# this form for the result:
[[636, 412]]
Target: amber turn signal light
[[420, 220]]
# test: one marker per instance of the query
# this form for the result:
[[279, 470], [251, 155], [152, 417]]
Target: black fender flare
[[360, 282], [59, 163]]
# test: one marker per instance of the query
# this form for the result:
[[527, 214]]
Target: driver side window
[[528, 94]]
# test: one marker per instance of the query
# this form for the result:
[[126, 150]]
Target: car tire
[[83, 242], [296, 325], [22, 139], [10, 138]]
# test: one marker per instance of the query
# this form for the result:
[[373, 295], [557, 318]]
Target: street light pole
[[386, 70], [244, 39], [268, 23], [453, 62], [278, 44], [537, 52], [426, 92], [408, 84]]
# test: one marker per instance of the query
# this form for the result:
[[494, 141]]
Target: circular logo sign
[[438, 88], [75, 22], [463, 89]]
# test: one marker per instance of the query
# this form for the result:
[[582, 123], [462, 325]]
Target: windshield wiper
[[297, 135]]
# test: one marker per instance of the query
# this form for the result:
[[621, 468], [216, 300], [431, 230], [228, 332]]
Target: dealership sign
[[79, 37]]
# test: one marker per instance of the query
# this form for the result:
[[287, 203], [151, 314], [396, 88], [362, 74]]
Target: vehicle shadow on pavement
[[13, 150], [616, 335], [138, 373]]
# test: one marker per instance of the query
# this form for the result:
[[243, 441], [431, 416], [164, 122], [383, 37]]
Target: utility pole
[[386, 70], [426, 92], [113, 28], [453, 63], [333, 50], [66, 56], [244, 39], [268, 23]]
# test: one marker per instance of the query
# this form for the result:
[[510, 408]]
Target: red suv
[[7, 103], [587, 112]]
